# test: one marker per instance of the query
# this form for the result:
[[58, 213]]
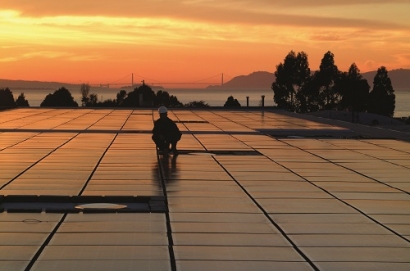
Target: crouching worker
[[165, 133]]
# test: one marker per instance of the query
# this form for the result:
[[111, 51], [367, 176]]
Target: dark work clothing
[[165, 133]]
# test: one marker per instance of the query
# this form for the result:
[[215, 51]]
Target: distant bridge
[[123, 82], [100, 85]]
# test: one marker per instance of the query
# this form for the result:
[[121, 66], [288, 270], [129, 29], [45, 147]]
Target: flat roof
[[85, 189]]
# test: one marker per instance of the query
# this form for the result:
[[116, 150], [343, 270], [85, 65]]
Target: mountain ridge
[[400, 78], [31, 84], [255, 80]]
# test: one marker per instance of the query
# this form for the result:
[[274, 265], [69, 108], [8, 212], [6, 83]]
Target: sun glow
[[192, 39]]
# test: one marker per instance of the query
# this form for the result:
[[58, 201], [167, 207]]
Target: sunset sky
[[172, 41]]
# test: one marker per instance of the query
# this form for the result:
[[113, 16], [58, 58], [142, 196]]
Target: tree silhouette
[[163, 98], [142, 96], [21, 101], [60, 97], [354, 90], [132, 99], [297, 90], [136, 99], [93, 100], [108, 103], [308, 96], [85, 91], [199, 104], [328, 77], [291, 75], [382, 99], [6, 98], [232, 102], [121, 96]]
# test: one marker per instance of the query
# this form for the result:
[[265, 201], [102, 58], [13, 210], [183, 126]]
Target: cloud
[[370, 65], [405, 57], [87, 31], [326, 37], [393, 62], [149, 7], [34, 54], [211, 31], [403, 60], [255, 12], [29, 55], [84, 57], [317, 3]]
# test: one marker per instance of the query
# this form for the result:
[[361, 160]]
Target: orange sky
[[104, 41]]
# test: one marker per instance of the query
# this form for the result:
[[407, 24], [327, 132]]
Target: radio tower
[[222, 79]]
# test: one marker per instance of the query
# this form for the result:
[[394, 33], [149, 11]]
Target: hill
[[23, 84], [400, 78], [263, 80], [255, 80]]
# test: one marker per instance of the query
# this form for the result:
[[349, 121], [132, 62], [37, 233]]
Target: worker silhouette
[[165, 133]]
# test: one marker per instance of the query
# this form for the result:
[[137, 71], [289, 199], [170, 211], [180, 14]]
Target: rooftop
[[84, 189]]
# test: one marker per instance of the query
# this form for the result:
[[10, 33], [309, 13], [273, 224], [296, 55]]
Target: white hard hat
[[162, 110]]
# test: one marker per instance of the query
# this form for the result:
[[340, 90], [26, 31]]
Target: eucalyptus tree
[[327, 78], [308, 96], [382, 99], [291, 76], [354, 90]]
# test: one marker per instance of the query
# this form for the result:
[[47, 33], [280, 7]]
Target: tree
[[308, 96], [291, 75], [163, 98], [134, 98], [232, 102], [142, 96], [21, 101], [328, 76], [6, 98], [85, 90], [382, 99], [121, 96], [93, 101], [60, 97], [354, 90], [200, 104], [107, 103]]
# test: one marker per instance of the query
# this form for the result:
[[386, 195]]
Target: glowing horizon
[[185, 41]]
